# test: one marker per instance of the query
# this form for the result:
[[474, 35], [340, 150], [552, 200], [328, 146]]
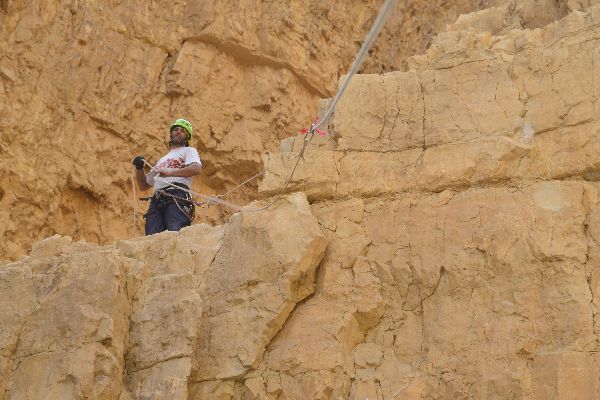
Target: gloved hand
[[138, 162]]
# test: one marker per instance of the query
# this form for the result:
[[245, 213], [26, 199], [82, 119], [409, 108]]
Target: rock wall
[[159, 317], [440, 243], [460, 202], [85, 86]]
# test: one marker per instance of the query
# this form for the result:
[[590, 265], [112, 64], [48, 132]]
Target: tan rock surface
[[477, 110], [65, 334], [459, 201], [260, 293], [85, 86], [155, 316], [449, 249]]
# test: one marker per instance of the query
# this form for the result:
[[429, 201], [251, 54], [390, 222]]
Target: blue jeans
[[168, 213]]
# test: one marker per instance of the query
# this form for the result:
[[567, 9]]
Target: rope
[[240, 185], [366, 46], [287, 183], [133, 187], [314, 127], [210, 199]]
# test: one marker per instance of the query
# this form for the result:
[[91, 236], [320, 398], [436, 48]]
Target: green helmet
[[185, 124]]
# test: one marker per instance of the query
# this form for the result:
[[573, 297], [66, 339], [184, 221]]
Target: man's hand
[[138, 162]]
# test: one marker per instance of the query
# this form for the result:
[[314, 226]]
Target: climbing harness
[[308, 133], [189, 205], [217, 199]]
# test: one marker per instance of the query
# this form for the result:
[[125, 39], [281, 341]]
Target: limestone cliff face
[[440, 243], [157, 317], [461, 207], [85, 86]]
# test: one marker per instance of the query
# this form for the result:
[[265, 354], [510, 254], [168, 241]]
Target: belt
[[165, 189], [180, 186]]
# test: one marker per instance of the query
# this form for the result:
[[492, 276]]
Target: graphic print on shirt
[[172, 163]]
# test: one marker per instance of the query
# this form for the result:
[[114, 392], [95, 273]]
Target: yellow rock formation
[[86, 86], [440, 243]]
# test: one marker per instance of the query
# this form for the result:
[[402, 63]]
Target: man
[[170, 208]]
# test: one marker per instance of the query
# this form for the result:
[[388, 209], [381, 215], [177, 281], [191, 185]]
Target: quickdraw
[[313, 128]]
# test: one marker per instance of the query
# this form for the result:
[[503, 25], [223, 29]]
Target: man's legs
[[175, 219], [155, 219]]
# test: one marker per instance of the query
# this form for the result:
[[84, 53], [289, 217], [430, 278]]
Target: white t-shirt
[[177, 158]]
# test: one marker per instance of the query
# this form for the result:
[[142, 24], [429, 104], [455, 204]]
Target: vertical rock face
[[459, 200], [65, 327], [86, 86], [445, 245], [159, 317], [256, 279]]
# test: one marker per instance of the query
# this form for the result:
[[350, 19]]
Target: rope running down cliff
[[366, 46]]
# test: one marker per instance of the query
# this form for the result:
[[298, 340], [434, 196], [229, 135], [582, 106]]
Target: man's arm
[[187, 171], [140, 177]]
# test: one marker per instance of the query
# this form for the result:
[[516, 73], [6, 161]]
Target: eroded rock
[[453, 219], [165, 312]]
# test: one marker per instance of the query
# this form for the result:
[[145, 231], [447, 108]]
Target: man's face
[[178, 136]]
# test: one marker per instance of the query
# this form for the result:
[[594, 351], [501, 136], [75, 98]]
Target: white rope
[[210, 199], [133, 192], [366, 46], [240, 185], [191, 200]]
